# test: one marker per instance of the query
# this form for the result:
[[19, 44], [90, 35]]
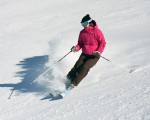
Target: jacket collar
[[90, 28]]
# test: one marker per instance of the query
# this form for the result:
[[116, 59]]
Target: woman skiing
[[92, 43]]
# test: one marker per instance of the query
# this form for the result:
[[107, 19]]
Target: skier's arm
[[79, 45], [101, 41]]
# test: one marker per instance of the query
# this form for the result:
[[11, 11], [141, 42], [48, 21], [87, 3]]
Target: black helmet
[[86, 18]]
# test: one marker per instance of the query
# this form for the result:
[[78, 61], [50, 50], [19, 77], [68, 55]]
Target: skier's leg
[[71, 75], [83, 71]]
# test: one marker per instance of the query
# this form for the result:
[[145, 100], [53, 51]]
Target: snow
[[35, 34]]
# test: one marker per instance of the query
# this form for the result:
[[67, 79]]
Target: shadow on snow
[[32, 68]]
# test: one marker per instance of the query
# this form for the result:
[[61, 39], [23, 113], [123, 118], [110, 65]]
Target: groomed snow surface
[[35, 34]]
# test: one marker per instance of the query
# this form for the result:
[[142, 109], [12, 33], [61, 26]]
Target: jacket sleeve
[[80, 44], [101, 41]]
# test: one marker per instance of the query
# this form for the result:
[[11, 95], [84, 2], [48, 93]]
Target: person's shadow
[[31, 69]]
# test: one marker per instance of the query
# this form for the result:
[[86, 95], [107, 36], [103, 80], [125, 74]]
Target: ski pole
[[50, 68], [64, 56], [11, 94], [117, 65], [105, 58]]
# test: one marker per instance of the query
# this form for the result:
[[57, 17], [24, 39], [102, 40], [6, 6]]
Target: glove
[[73, 49], [97, 54]]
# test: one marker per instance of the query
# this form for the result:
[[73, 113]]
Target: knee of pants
[[83, 71], [71, 75]]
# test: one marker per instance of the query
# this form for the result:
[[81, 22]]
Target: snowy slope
[[34, 34]]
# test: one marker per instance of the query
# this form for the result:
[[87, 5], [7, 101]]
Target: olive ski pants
[[81, 68]]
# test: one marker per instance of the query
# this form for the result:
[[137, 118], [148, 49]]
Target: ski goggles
[[86, 23]]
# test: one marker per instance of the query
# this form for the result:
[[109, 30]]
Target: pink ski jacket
[[91, 39]]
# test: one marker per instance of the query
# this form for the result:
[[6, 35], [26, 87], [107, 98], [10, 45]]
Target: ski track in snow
[[35, 34]]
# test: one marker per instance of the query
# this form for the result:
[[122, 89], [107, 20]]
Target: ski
[[64, 93], [59, 95]]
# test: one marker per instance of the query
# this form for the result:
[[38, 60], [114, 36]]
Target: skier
[[92, 43]]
